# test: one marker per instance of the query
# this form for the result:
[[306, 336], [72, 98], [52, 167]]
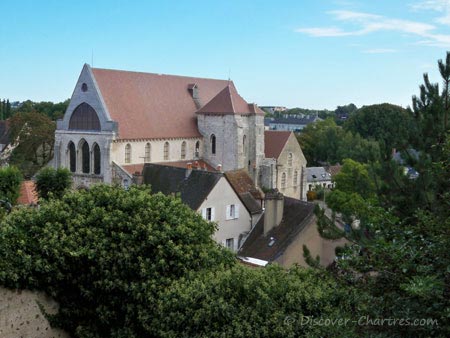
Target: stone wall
[[20, 315]]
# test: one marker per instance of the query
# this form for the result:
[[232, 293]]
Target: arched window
[[84, 117], [283, 180], [213, 144], [183, 150], [72, 157], [97, 159], [147, 155], [85, 157], [128, 153], [290, 160], [166, 151], [197, 149], [295, 178]]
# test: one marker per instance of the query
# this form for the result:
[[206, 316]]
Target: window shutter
[[204, 213], [213, 213], [236, 211], [227, 215]]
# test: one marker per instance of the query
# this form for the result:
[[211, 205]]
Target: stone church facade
[[117, 119]]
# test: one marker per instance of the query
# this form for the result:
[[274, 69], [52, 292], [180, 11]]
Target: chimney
[[188, 169], [219, 167], [196, 165], [204, 167], [273, 213], [193, 89]]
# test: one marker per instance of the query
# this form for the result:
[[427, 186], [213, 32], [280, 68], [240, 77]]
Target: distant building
[[295, 123], [318, 176], [273, 109]]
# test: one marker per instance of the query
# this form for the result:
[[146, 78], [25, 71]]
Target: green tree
[[387, 124], [10, 180], [34, 136], [105, 255], [247, 302], [53, 181]]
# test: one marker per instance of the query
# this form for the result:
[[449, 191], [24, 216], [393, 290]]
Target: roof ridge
[[160, 74]]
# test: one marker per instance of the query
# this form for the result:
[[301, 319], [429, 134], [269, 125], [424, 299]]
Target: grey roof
[[317, 174], [296, 216], [250, 203], [193, 189]]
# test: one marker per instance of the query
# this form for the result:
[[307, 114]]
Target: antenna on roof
[[229, 74]]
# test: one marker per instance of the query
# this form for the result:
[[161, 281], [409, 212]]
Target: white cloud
[[371, 23], [440, 6], [379, 51]]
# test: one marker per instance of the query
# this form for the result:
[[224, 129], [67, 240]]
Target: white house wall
[[221, 196]]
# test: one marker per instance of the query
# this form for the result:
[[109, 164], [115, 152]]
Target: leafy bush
[[54, 181], [105, 255], [10, 180]]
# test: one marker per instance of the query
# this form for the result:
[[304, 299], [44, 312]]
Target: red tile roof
[[274, 142], [28, 194], [197, 164], [133, 168], [150, 106], [229, 102]]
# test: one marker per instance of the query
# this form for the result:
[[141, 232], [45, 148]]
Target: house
[[273, 109], [28, 194], [210, 194], [402, 158], [279, 236], [318, 176], [284, 165], [288, 122]]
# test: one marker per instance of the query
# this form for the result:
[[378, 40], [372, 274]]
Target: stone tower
[[233, 132]]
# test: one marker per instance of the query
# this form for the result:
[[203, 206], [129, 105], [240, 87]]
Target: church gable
[[86, 111]]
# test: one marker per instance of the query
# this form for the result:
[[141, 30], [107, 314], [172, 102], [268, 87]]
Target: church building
[[119, 120]]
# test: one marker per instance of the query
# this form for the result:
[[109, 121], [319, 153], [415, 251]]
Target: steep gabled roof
[[193, 189], [229, 102], [274, 142], [149, 106]]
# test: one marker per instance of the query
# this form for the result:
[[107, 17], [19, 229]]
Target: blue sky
[[306, 53]]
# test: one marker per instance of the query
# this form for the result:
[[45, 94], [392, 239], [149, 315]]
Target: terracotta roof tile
[[147, 105], [274, 142], [28, 194], [229, 102]]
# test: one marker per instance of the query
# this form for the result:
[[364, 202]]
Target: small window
[[244, 141], [128, 153], [147, 154], [295, 178], [166, 151], [290, 160], [208, 214], [183, 150], [229, 243], [283, 180], [84, 87], [232, 212], [213, 144]]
